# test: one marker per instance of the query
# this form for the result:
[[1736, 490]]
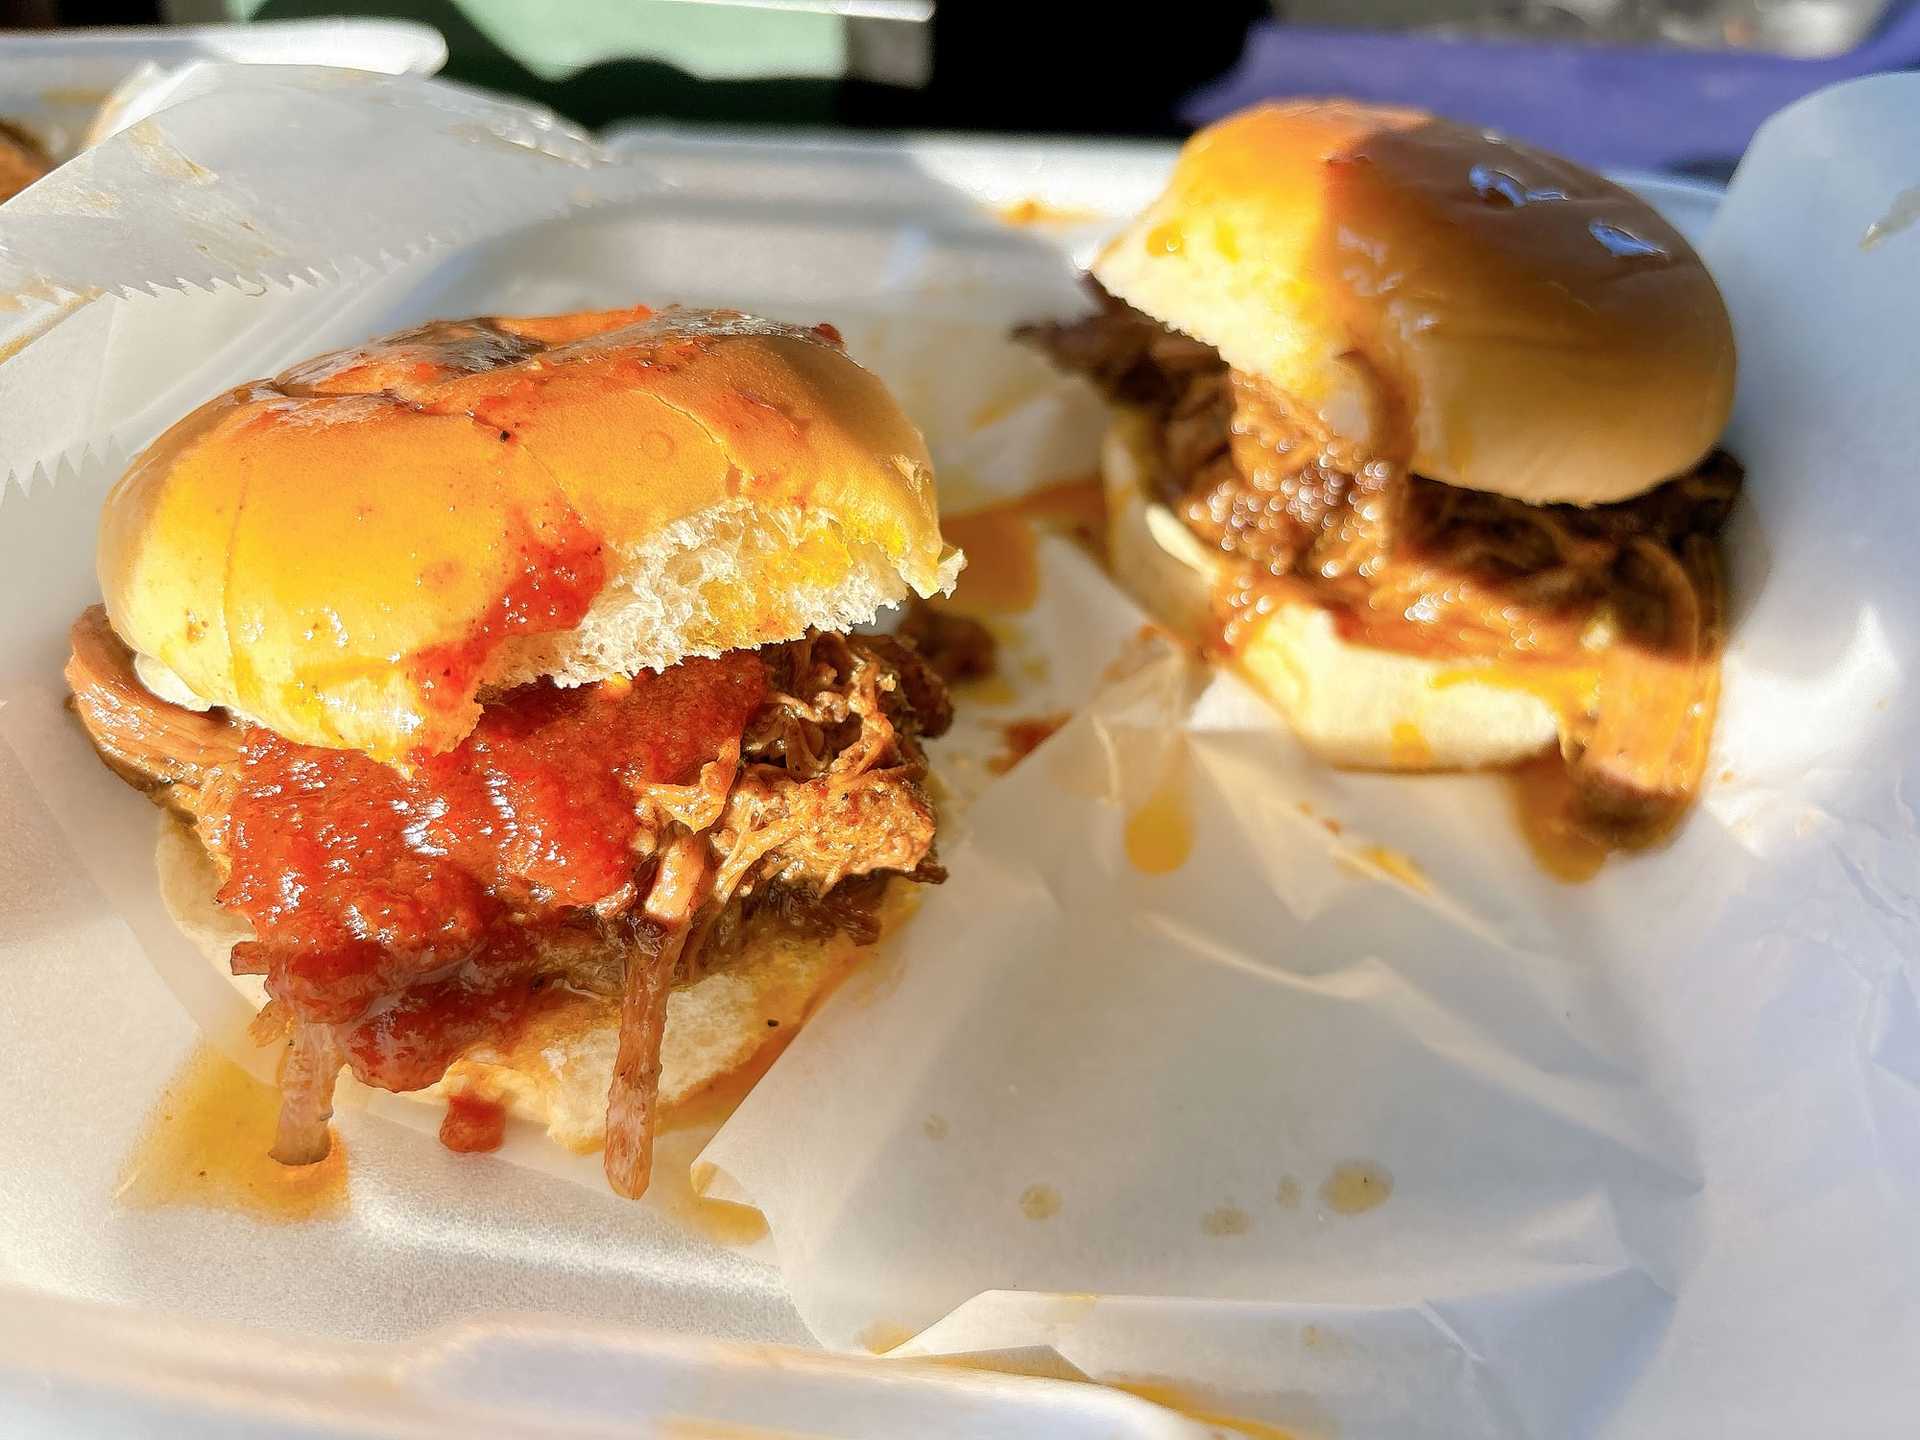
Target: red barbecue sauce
[[474, 1124], [561, 569], [422, 895]]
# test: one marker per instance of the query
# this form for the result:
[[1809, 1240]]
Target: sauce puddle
[[206, 1145], [1159, 834], [1375, 861], [1355, 1187], [1040, 1202], [1543, 804], [1001, 541]]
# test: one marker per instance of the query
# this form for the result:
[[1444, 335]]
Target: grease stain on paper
[[1902, 214], [1225, 1220], [1002, 575], [1159, 833], [987, 690], [676, 1427], [1039, 1202], [1355, 1187], [1287, 1193], [884, 1335], [1381, 861], [161, 157], [874, 977], [1327, 822], [737, 1227], [679, 1190]]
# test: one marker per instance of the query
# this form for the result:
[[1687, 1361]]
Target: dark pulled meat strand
[[169, 753], [1134, 360], [1237, 462], [958, 647], [444, 927]]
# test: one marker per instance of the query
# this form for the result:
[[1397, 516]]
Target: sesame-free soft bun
[[1507, 320], [351, 552]]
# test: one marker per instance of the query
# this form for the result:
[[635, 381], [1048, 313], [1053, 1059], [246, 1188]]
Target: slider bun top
[[1501, 318], [352, 552]]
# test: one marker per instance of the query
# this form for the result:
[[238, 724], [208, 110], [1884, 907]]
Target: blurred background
[[1675, 85]]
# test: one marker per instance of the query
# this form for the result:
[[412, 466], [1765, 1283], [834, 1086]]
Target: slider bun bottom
[[1353, 705], [556, 1071]]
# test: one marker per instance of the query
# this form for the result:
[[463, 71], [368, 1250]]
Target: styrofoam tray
[[817, 230], [747, 222]]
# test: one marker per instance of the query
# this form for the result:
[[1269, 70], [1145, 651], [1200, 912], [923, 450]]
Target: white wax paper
[[1653, 1143]]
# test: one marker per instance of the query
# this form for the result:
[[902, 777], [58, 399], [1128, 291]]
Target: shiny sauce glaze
[[561, 568], [474, 1124], [436, 885]]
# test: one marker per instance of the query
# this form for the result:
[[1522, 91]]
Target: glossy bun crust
[[351, 552], [1502, 319]]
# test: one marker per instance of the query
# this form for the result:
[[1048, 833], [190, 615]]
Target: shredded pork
[[1406, 562], [820, 802]]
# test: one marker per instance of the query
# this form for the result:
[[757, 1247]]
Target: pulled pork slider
[[498, 675], [1420, 424]]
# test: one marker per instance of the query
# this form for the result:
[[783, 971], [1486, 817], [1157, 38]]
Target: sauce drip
[[884, 1335], [206, 1145], [1543, 802], [1159, 834], [725, 1223], [360, 880], [561, 568], [1034, 211], [1020, 738], [1410, 748], [473, 1124], [1003, 571]]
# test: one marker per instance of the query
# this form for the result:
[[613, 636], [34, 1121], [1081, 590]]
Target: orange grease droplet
[[206, 1146]]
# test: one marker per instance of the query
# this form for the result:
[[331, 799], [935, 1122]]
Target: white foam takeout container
[[70, 87], [1653, 1142]]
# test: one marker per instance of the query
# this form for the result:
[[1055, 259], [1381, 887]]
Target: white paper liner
[[1654, 1143]]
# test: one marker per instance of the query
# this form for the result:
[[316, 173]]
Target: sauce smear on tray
[[206, 1146]]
